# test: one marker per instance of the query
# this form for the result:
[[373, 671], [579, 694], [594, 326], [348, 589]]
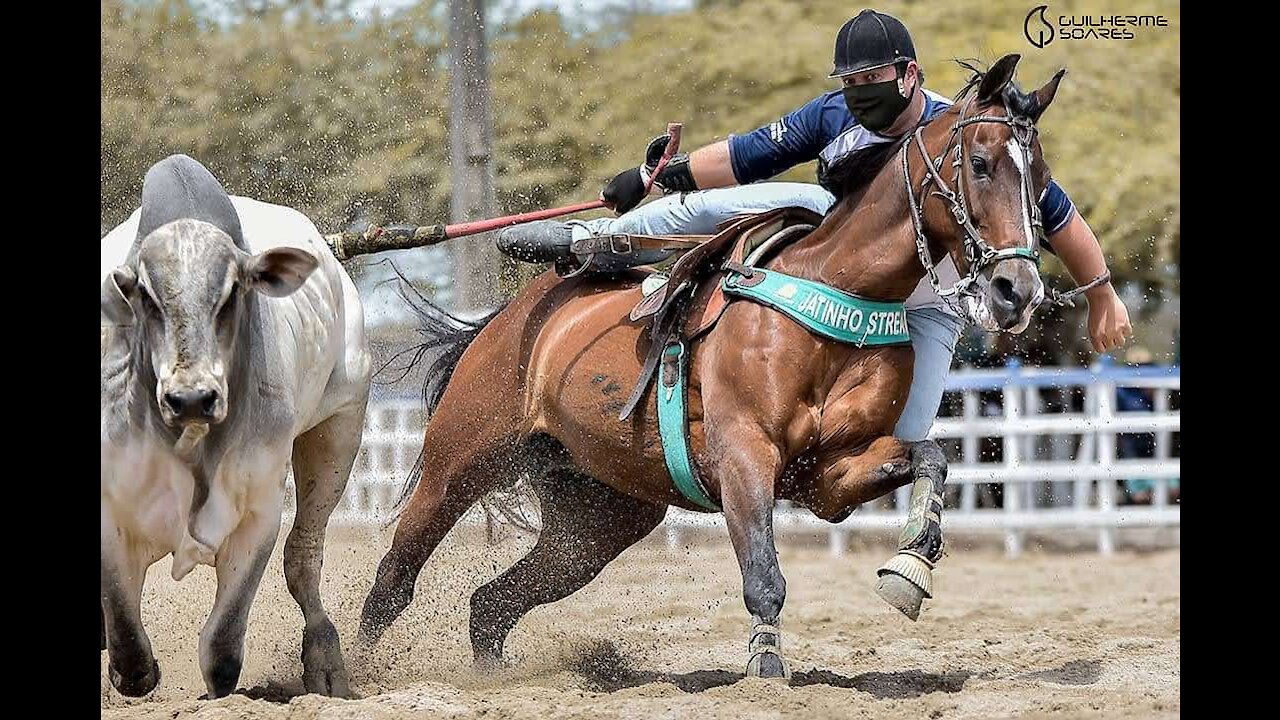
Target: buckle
[[613, 244]]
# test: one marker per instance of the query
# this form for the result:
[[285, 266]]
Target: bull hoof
[[768, 663], [323, 670], [136, 686], [905, 581]]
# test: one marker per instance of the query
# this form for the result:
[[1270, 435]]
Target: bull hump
[[180, 188]]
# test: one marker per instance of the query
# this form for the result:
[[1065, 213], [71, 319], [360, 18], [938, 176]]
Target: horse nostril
[[1005, 293]]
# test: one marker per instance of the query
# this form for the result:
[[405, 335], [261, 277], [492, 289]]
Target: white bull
[[232, 344]]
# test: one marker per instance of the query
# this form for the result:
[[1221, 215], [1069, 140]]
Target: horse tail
[[445, 338]]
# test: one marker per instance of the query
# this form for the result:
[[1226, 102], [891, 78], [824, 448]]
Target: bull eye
[[227, 310], [979, 166], [148, 303]]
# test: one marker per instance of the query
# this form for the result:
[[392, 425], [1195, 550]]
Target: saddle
[[691, 300]]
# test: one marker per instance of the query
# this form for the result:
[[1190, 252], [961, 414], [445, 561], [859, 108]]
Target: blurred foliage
[[298, 103]]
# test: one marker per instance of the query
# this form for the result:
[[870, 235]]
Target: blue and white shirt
[[824, 130]]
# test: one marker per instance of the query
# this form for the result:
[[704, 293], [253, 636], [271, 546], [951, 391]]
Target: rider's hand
[[624, 191], [1108, 318]]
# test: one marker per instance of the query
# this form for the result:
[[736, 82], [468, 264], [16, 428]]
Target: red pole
[[400, 237], [479, 226]]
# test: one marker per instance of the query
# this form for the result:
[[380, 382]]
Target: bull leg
[[747, 465], [131, 666], [240, 563], [908, 577], [585, 525], [322, 460]]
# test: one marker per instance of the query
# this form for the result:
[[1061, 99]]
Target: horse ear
[[1045, 94], [997, 77]]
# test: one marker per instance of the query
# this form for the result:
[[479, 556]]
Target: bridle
[[978, 253]]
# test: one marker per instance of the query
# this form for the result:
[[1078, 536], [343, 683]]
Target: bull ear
[[278, 272], [117, 290], [997, 77]]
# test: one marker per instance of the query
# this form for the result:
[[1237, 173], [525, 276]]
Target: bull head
[[186, 292]]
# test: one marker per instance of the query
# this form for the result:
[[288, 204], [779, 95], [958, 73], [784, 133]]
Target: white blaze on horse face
[[1015, 152]]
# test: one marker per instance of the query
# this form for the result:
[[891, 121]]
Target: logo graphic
[[777, 129], [1040, 30], [1041, 34], [788, 291]]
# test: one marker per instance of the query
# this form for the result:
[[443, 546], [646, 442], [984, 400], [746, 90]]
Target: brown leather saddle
[[691, 301]]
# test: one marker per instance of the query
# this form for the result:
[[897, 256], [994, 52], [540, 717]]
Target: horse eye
[[978, 164]]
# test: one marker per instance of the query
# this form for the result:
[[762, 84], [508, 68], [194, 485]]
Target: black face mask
[[875, 105]]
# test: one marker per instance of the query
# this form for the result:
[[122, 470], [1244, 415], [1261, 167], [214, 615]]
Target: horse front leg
[[887, 464], [746, 470], [907, 579]]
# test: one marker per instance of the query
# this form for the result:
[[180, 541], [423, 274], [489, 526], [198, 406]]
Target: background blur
[[341, 108]]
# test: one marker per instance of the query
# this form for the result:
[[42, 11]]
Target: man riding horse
[[883, 97], [793, 388]]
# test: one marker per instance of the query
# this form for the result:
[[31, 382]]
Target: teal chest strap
[[821, 309]]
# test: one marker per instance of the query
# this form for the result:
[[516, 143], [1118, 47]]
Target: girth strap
[[673, 426]]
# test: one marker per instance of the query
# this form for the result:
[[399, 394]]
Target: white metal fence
[[1030, 449]]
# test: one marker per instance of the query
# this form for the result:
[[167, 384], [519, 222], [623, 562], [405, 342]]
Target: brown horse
[[774, 410]]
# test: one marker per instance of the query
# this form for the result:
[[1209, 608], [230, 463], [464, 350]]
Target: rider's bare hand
[[1108, 319]]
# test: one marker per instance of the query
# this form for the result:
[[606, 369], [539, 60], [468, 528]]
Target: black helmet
[[871, 40]]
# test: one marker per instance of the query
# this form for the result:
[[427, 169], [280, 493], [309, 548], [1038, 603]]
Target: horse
[[774, 411]]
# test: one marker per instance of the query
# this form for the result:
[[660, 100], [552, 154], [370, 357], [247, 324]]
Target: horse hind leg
[[586, 524], [438, 502], [907, 579]]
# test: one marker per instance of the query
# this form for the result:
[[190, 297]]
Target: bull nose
[[194, 404]]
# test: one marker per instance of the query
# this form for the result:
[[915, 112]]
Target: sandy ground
[[662, 634]]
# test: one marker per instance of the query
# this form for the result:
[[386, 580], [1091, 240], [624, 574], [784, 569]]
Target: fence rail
[[1031, 449]]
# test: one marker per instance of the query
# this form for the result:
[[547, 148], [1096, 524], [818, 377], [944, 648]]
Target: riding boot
[[542, 241], [549, 241]]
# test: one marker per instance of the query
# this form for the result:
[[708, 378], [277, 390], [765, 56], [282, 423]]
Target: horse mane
[[1018, 103], [856, 170]]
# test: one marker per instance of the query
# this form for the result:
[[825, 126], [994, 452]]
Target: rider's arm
[[711, 166], [741, 159], [789, 141], [1070, 238]]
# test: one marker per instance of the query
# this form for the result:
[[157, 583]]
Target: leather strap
[[627, 243]]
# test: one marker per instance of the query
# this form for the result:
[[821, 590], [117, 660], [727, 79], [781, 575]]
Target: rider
[[882, 98]]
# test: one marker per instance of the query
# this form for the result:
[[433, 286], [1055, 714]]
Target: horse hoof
[[135, 686], [905, 581], [768, 665], [324, 671]]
